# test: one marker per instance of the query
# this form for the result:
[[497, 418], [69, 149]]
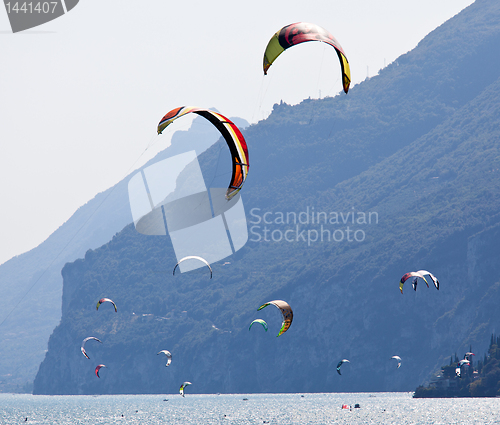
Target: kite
[[98, 368], [286, 311], [468, 354], [169, 356], [398, 359], [406, 276], [301, 32], [262, 322], [82, 348], [194, 257], [234, 139], [181, 389], [106, 300], [340, 364]]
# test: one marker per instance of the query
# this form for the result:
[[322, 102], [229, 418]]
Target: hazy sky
[[81, 96]]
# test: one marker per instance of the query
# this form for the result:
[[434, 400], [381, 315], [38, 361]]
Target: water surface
[[233, 409]]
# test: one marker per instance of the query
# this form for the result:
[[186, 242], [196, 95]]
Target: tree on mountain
[[484, 381]]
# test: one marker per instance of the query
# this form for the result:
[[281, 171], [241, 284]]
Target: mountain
[[31, 283], [344, 196]]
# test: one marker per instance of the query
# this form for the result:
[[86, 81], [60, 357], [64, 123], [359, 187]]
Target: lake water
[[285, 409]]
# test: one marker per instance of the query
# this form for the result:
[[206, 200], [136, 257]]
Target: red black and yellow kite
[[234, 139]]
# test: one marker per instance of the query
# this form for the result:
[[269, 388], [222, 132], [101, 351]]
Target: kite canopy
[[194, 257], [398, 359], [340, 364], [286, 311], [82, 348], [262, 322], [98, 368], [169, 356], [301, 32], [406, 276], [181, 389], [234, 139], [102, 300]]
